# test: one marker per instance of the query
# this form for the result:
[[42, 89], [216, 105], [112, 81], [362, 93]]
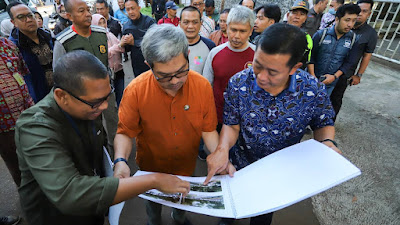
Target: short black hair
[[137, 1], [190, 9], [283, 38], [210, 3], [317, 1], [10, 5], [347, 9], [72, 67], [271, 11], [340, 1], [225, 11], [371, 2], [102, 2]]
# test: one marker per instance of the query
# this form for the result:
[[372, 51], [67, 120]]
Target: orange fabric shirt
[[167, 129]]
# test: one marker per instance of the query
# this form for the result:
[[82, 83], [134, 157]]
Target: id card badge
[[19, 79]]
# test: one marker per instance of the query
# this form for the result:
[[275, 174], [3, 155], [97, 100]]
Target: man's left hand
[[329, 79], [332, 146]]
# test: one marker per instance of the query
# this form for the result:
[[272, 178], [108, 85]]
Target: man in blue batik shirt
[[269, 106]]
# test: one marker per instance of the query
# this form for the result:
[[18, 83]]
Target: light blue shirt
[[121, 16]]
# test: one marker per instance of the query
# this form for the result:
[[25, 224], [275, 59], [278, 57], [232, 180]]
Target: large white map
[[272, 183]]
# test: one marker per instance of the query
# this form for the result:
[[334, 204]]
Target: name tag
[[327, 42], [19, 79]]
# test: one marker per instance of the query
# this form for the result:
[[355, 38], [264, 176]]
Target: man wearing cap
[[171, 14], [314, 16], [297, 16]]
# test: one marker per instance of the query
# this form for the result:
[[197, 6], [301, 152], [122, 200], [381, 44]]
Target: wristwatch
[[119, 160], [330, 140], [359, 75]]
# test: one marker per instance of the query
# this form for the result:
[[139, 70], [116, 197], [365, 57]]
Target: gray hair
[[241, 14], [163, 42]]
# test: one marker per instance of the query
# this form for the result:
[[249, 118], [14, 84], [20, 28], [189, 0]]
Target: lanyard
[[92, 148]]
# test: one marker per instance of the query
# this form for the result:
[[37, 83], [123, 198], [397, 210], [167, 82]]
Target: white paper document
[[272, 183]]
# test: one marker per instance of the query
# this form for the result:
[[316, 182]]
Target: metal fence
[[385, 19]]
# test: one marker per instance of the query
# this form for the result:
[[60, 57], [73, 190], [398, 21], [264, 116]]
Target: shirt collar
[[73, 28], [291, 88]]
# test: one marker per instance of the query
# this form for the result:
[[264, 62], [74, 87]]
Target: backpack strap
[[353, 40], [323, 36]]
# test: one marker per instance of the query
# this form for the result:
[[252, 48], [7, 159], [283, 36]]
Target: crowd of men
[[238, 84]]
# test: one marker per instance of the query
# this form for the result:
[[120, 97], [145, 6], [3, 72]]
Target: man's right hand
[[217, 162], [129, 39], [171, 184], [122, 170], [355, 80]]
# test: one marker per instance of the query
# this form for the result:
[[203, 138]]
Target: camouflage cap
[[301, 4]]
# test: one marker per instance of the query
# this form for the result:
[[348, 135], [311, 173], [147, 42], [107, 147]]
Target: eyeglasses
[[179, 74], [93, 105], [198, 4], [23, 17]]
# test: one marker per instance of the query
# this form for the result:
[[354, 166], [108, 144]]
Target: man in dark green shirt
[[82, 36], [60, 149]]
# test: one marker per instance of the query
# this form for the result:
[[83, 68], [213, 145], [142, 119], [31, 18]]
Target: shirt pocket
[[195, 119]]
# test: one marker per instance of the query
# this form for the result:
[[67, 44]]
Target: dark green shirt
[[58, 167], [69, 40]]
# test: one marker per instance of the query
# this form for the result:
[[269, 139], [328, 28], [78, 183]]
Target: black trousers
[[337, 94], [9, 155], [265, 219]]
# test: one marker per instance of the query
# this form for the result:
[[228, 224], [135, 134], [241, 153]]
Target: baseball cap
[[301, 4], [171, 5]]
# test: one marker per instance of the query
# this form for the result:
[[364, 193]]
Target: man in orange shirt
[[168, 109]]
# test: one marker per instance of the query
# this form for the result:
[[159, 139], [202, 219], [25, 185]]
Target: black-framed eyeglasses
[[23, 17], [198, 4], [93, 105], [178, 74]]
